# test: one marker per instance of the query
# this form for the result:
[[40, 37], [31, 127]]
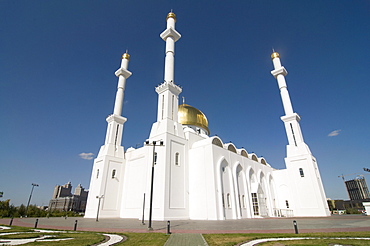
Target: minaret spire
[[291, 119], [115, 120], [122, 73], [168, 91], [170, 36]]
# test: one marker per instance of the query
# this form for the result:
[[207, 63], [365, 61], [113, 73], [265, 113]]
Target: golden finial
[[126, 55], [171, 15], [275, 55]]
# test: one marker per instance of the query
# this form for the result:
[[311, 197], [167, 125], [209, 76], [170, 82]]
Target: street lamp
[[97, 212], [29, 199], [154, 143]]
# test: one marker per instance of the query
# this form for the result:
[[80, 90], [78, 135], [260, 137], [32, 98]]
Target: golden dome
[[126, 56], [189, 115], [275, 55], [171, 15]]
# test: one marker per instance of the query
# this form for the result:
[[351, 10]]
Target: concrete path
[[186, 239]]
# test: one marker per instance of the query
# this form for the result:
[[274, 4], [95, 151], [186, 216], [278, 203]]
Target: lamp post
[[97, 212], [154, 143], [29, 199]]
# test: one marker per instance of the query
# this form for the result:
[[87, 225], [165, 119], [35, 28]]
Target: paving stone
[[186, 239]]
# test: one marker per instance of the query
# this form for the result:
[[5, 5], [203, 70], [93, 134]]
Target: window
[[228, 200], [291, 126], [243, 201], [255, 204], [177, 163], [173, 102], [97, 173], [113, 173], [155, 158], [301, 172], [287, 203], [162, 106], [223, 200]]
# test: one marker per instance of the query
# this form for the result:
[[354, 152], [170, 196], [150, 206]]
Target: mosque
[[182, 172]]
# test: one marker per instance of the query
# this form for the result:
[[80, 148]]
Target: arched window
[[113, 173], [177, 161], [97, 173], [254, 157], [217, 142], [301, 172]]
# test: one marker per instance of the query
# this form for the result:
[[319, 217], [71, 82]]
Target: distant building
[[357, 189], [64, 200], [339, 206]]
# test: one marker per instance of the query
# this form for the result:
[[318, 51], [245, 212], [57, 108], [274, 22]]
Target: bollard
[[37, 221], [168, 227], [75, 228], [11, 222], [295, 226]]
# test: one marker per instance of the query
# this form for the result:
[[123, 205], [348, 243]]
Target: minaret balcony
[[124, 72], [116, 118], [279, 71], [168, 86], [292, 117], [170, 32]]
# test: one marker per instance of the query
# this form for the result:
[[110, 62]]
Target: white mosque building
[[182, 172]]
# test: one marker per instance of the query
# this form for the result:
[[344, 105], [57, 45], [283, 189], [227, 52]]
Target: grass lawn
[[159, 239], [235, 238]]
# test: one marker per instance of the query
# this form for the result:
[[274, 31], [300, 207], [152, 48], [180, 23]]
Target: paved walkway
[[336, 223], [186, 239]]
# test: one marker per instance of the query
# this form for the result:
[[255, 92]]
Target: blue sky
[[57, 82]]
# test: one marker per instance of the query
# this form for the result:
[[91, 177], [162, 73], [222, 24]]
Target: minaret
[[291, 119], [108, 170], [115, 120], [168, 91], [306, 194]]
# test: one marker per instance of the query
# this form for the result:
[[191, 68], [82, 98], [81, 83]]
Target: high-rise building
[[357, 189], [64, 200]]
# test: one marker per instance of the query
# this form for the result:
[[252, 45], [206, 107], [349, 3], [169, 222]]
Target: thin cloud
[[87, 156], [334, 133]]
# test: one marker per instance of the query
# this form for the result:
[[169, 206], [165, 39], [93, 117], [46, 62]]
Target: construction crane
[[358, 174]]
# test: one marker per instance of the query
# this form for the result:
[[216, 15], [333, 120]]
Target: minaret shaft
[[121, 88], [169, 67], [168, 91], [116, 121], [291, 119]]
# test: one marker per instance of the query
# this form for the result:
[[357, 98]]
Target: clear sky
[[57, 82]]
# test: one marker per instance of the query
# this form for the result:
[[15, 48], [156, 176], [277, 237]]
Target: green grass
[[159, 239], [321, 242], [141, 239], [235, 238], [79, 238]]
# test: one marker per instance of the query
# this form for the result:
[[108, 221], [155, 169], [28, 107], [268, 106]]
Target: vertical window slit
[[291, 126]]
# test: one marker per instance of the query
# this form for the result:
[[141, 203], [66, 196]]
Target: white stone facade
[[197, 176]]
